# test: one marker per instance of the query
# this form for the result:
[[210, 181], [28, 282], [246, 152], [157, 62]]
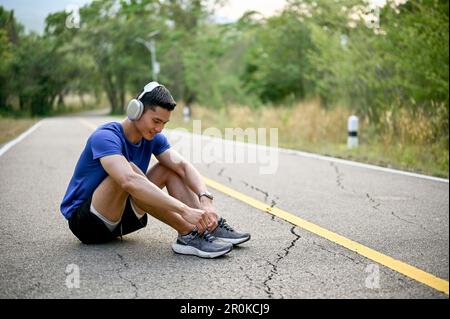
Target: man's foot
[[202, 245], [226, 233]]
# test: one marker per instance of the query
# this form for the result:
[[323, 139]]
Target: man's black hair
[[159, 96]]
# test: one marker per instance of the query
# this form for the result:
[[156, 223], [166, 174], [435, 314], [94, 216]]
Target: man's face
[[152, 122]]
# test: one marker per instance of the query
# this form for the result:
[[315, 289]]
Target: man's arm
[[144, 190], [192, 178]]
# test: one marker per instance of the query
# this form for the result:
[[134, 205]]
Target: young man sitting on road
[[111, 191]]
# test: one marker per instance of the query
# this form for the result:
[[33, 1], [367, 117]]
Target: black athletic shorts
[[92, 230]]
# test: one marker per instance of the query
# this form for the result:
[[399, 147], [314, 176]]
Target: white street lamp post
[[151, 47]]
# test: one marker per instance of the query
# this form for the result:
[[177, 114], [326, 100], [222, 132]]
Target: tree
[[9, 35], [276, 63], [38, 78]]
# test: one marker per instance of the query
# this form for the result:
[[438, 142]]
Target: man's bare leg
[[162, 176], [165, 177], [109, 200]]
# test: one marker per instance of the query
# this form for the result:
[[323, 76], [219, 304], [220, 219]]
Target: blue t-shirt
[[108, 139]]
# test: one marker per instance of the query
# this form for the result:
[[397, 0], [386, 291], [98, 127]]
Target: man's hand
[[198, 217], [206, 205], [192, 178]]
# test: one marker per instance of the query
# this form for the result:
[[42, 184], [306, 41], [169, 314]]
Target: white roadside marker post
[[352, 123]]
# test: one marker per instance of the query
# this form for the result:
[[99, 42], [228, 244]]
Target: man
[[111, 191]]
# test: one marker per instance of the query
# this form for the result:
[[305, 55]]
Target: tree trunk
[[110, 92], [121, 91], [83, 102], [60, 104]]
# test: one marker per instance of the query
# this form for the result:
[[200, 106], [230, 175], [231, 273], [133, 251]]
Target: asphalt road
[[404, 217]]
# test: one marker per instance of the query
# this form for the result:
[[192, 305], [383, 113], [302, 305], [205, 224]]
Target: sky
[[32, 13], [234, 9]]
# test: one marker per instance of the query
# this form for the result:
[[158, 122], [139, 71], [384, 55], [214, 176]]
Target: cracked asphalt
[[404, 217]]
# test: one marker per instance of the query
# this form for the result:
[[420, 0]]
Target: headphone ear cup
[[135, 109]]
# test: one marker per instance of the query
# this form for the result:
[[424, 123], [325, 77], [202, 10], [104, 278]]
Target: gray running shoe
[[202, 245], [226, 233]]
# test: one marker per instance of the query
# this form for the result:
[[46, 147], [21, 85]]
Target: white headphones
[[135, 108]]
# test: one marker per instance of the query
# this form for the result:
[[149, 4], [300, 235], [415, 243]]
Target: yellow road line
[[88, 124], [399, 266]]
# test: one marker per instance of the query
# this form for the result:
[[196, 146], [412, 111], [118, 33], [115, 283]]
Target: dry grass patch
[[10, 128]]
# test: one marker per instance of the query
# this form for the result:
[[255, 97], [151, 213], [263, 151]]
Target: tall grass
[[405, 141], [10, 128]]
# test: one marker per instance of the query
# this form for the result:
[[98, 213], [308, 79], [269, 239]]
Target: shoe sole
[[189, 250], [236, 241]]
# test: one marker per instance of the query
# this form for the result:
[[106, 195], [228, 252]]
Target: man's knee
[[160, 175], [109, 199]]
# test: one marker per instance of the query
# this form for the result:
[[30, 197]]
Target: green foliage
[[5, 58], [418, 37], [313, 48], [276, 63], [38, 78], [211, 67], [9, 30], [404, 64]]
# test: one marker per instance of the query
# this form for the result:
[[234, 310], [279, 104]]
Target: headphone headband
[[148, 88]]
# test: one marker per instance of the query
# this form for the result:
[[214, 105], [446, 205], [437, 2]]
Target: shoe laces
[[223, 224], [207, 236]]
